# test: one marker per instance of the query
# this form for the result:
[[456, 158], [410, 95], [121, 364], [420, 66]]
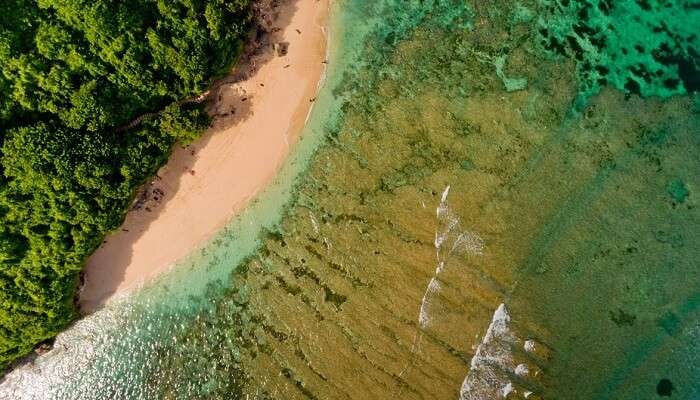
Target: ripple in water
[[129, 350]]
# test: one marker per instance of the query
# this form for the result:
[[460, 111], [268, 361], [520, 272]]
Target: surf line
[[505, 363], [450, 239]]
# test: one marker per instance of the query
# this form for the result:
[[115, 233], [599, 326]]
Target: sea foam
[[494, 370], [450, 239]]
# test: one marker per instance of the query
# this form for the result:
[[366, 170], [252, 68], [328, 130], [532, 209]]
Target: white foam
[[469, 242], [441, 235], [53, 375], [443, 200], [529, 345], [445, 238], [486, 378], [493, 363], [522, 370], [314, 222], [498, 328], [463, 242], [507, 389], [423, 316]]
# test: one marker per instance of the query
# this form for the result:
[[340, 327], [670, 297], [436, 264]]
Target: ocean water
[[491, 200]]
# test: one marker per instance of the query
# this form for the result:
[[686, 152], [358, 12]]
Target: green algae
[[647, 47], [575, 202], [569, 202], [585, 208]]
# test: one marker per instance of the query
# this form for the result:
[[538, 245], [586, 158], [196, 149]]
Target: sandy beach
[[256, 122]]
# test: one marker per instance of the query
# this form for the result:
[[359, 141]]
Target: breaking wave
[[450, 239], [504, 365]]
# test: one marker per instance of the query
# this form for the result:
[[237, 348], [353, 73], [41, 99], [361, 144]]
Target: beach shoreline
[[257, 118]]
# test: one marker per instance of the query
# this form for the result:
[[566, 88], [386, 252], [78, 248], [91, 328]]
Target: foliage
[[72, 72], [181, 123]]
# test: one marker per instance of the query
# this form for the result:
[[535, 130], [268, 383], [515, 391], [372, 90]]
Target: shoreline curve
[[203, 186]]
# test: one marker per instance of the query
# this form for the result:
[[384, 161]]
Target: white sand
[[208, 183]]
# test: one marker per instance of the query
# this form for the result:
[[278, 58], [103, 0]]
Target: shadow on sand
[[228, 105]]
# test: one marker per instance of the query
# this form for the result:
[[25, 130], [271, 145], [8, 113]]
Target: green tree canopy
[[72, 72]]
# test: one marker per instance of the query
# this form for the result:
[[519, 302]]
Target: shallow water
[[476, 216]]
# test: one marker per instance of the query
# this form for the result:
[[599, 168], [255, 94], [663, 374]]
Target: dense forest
[[72, 73]]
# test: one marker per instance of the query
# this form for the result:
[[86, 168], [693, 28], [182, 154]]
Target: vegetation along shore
[[72, 74], [258, 114]]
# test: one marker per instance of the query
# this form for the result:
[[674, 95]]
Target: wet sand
[[256, 121]]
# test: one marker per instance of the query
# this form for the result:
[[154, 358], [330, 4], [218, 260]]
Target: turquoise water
[[490, 201]]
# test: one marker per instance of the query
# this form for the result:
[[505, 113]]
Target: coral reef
[[645, 47]]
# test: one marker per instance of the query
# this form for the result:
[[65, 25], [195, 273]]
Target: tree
[[71, 73]]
